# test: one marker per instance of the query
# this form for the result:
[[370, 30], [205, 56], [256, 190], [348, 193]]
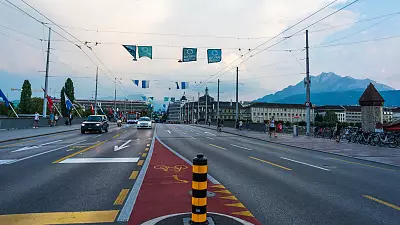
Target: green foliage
[[87, 112], [302, 123], [62, 102], [69, 89], [37, 105], [318, 118], [26, 97], [330, 116], [3, 110], [288, 123]]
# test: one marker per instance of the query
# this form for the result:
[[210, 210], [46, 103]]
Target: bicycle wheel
[[392, 142]]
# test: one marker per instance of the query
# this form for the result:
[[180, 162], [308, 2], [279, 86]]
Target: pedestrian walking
[[55, 120], [71, 117], [240, 125], [272, 127], [51, 118], [247, 125], [36, 120], [209, 122]]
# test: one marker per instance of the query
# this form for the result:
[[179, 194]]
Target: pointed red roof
[[371, 97]]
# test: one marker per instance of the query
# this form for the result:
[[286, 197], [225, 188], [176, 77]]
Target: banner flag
[[177, 85], [132, 50], [166, 99], [144, 98], [214, 55], [185, 85], [68, 103], [151, 98], [50, 103], [164, 105], [3, 96], [145, 51], [189, 54], [92, 108], [172, 99], [145, 83], [136, 82]]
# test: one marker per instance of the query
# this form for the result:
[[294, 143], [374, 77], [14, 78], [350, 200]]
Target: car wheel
[[106, 130], [82, 132], [100, 131]]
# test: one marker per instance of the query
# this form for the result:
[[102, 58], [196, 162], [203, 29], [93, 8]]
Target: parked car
[[144, 122], [97, 123]]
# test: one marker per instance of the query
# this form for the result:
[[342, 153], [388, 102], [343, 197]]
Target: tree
[[25, 100], [288, 124], [69, 89], [37, 105], [318, 118], [330, 116], [62, 102], [3, 110], [302, 123]]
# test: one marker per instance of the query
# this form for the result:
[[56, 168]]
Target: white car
[[144, 122]]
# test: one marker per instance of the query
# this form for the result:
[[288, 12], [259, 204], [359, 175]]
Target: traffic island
[[165, 196]]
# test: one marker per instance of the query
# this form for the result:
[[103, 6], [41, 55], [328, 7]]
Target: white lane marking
[[42, 153], [210, 138], [116, 148], [100, 160], [169, 131], [198, 133], [34, 147], [6, 161], [97, 136], [242, 147], [209, 133], [50, 142], [305, 163], [192, 137]]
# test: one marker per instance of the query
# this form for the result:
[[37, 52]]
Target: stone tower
[[371, 103]]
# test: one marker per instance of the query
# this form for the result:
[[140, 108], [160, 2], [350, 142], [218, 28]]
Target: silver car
[[144, 122]]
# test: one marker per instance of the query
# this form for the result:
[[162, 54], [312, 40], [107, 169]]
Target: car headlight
[[97, 124], [83, 125]]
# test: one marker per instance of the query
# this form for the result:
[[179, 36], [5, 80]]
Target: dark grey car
[[95, 123]]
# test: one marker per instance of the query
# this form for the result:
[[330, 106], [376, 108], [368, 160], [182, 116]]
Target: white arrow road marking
[[6, 161], [305, 164], [36, 146], [237, 146], [116, 148], [209, 133], [169, 131], [210, 138]]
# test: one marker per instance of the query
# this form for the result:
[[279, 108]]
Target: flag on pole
[[3, 96], [68, 103], [145, 83], [91, 107], [151, 98], [50, 103], [132, 50], [214, 55], [144, 98], [185, 85], [164, 105], [166, 99], [145, 51], [172, 99], [136, 82], [177, 85], [189, 54]]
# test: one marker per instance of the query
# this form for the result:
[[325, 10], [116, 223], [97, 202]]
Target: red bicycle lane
[[166, 186]]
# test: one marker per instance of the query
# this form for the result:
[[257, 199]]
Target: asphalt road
[[287, 185], [78, 176]]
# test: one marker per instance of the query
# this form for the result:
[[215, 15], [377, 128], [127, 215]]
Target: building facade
[[258, 112], [371, 108]]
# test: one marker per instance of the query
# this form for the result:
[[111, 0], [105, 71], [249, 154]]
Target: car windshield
[[144, 119], [94, 118]]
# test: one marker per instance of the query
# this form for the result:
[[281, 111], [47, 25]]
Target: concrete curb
[[336, 154], [38, 135]]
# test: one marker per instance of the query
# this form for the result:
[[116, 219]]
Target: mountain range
[[332, 89]]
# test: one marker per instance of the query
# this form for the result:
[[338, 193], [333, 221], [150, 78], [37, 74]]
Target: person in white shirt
[[272, 127], [36, 120]]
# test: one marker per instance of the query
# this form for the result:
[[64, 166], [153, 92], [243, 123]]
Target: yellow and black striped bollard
[[199, 190]]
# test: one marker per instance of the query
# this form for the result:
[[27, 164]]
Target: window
[[273, 114], [269, 114], [285, 110], [281, 114], [304, 114]]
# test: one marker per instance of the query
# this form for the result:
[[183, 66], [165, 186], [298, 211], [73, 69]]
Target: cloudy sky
[[168, 25]]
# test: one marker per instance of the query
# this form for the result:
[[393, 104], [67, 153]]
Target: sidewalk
[[17, 134], [390, 156]]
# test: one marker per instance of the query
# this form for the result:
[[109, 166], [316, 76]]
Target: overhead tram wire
[[287, 29], [347, 5]]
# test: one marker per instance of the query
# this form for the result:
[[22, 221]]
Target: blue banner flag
[[3, 96], [145, 51], [145, 83], [166, 99], [177, 85], [189, 54], [136, 82], [214, 55], [144, 98], [185, 85], [164, 105], [132, 50], [172, 99], [151, 98], [68, 103]]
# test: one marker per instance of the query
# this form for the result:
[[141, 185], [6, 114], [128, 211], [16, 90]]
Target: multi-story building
[[396, 114], [174, 110], [258, 112]]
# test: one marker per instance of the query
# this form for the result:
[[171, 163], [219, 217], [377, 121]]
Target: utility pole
[[46, 79], [193, 110], [206, 105], [115, 96], [198, 107], [237, 95], [308, 101], [95, 93], [218, 119]]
